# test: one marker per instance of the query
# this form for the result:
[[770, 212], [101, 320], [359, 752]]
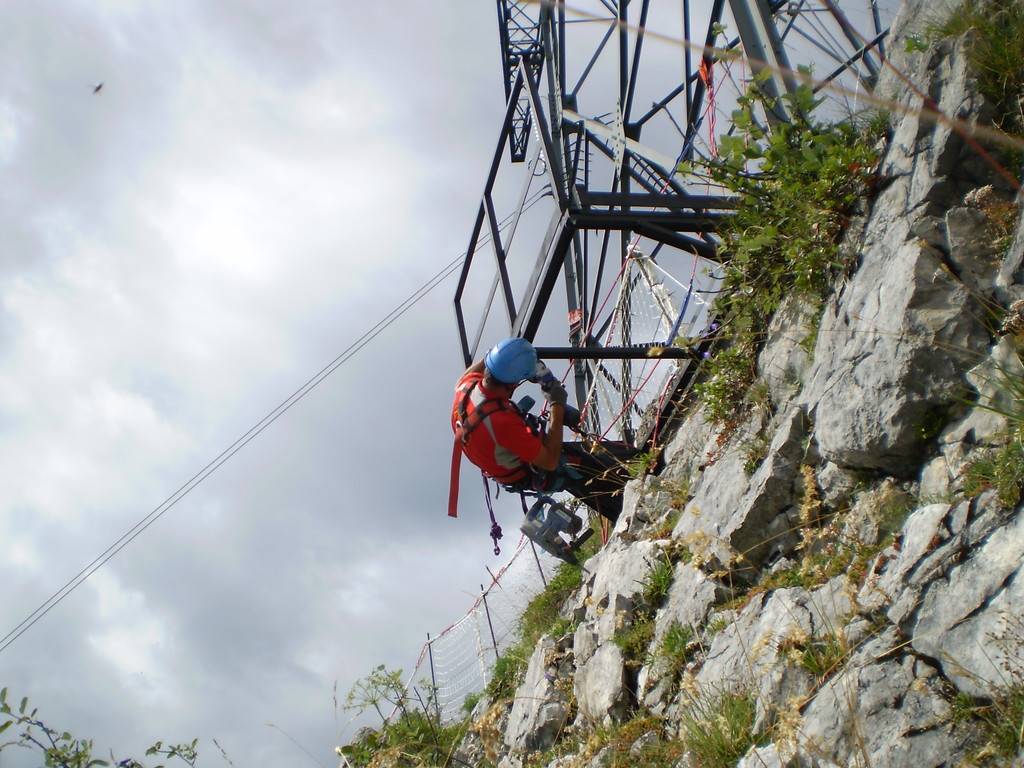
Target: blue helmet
[[512, 361]]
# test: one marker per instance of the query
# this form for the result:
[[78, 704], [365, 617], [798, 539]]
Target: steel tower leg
[[765, 52]]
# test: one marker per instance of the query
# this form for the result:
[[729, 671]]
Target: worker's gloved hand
[[554, 392], [543, 375]]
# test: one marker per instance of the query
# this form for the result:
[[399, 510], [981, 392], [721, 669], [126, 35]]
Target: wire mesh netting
[[651, 307], [458, 662]]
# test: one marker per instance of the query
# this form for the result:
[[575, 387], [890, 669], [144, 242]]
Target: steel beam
[[765, 53]]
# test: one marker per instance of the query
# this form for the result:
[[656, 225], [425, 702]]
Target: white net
[[653, 308], [459, 661]]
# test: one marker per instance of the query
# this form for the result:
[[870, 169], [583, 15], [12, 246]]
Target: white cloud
[[10, 131], [134, 642], [185, 249]]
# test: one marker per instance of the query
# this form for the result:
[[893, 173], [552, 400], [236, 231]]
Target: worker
[[511, 447]]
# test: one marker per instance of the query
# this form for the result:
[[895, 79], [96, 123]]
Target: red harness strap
[[453, 486]]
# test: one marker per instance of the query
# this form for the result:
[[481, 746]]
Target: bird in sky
[[96, 88]]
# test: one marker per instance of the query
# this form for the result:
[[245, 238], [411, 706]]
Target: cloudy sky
[[255, 186]]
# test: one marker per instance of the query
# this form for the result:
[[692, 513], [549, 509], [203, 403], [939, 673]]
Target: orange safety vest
[[467, 415]]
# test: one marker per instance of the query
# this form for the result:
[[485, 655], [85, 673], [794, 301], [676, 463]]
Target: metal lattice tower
[[604, 99]]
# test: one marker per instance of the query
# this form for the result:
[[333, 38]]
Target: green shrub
[[797, 186]]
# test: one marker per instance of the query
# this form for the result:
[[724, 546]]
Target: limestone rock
[[736, 522], [969, 620], [600, 687], [618, 569], [541, 706], [881, 710]]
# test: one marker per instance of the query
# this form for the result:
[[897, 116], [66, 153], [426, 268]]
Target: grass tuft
[[717, 729], [997, 50]]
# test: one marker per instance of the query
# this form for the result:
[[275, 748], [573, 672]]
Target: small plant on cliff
[[1000, 716], [1002, 468], [1001, 721], [635, 639], [728, 375], [416, 734], [668, 523], [821, 656], [1001, 471], [827, 549], [676, 648], [659, 581], [643, 741], [643, 463]]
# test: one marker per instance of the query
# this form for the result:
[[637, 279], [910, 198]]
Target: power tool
[[545, 523]]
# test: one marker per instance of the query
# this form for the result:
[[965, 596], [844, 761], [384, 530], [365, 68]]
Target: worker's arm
[[477, 367], [552, 450]]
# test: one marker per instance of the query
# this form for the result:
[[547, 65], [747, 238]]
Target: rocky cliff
[[823, 582]]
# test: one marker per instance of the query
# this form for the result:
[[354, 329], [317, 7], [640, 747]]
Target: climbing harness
[[465, 424]]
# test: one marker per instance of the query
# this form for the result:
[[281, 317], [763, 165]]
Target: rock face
[[847, 588]]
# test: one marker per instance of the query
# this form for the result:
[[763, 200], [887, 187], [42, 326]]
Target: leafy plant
[[797, 185], [415, 733], [379, 688], [728, 374], [60, 749]]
